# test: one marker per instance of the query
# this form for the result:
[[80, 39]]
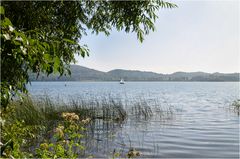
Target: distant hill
[[130, 75], [80, 73]]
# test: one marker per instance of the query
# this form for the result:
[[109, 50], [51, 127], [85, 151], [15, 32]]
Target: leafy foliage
[[16, 134], [44, 36], [22, 138], [67, 141]]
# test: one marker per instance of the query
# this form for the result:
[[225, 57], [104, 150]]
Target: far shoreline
[[131, 81]]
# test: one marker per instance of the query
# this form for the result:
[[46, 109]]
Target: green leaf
[[56, 64], [2, 11], [47, 57], [140, 35], [69, 72], [70, 41], [6, 22]]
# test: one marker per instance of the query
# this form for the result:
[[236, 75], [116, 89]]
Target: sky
[[196, 36]]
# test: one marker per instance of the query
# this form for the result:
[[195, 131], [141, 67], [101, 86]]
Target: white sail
[[121, 81]]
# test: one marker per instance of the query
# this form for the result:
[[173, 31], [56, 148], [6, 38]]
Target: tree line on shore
[[80, 73]]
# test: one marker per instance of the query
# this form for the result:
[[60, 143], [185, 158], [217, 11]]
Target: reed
[[236, 106], [38, 111], [141, 109], [144, 109], [44, 110]]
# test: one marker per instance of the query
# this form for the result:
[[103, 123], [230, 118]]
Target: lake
[[202, 123]]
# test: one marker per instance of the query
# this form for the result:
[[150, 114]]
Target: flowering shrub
[[86, 121], [70, 116], [64, 142], [66, 139]]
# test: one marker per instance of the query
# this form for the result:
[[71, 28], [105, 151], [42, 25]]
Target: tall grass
[[35, 111], [141, 109], [236, 106], [38, 111]]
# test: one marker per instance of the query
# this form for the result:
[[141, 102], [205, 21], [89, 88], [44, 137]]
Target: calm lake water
[[202, 124]]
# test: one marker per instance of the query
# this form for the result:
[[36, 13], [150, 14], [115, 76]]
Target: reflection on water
[[100, 137], [198, 124], [104, 138]]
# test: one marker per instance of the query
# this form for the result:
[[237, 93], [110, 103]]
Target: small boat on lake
[[121, 81]]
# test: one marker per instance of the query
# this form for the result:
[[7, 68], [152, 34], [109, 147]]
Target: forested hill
[[80, 73]]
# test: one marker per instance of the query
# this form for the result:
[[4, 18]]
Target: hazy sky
[[196, 36]]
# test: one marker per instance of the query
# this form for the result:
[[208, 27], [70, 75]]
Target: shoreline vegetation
[[236, 106], [43, 128]]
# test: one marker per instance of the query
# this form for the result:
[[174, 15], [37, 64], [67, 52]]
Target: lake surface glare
[[202, 124]]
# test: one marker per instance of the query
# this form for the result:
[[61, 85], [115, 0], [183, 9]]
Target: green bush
[[65, 142]]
